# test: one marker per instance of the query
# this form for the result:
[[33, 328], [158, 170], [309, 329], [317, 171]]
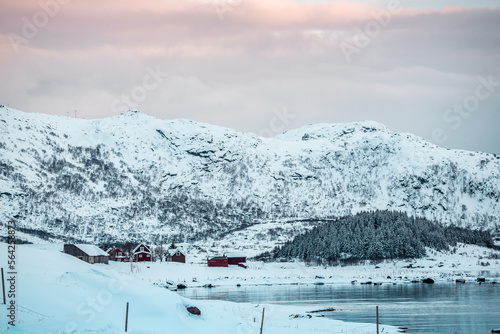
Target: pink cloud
[[94, 22], [228, 64]]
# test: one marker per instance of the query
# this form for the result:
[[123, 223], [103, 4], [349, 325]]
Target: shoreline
[[59, 293], [468, 264]]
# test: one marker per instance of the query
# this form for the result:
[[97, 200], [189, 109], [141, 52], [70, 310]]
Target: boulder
[[193, 310]]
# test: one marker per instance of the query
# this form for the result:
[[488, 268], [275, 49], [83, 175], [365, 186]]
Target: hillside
[[132, 177], [378, 235]]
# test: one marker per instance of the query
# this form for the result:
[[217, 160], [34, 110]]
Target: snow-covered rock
[[132, 177]]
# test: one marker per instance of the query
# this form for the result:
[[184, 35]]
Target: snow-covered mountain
[[132, 177]]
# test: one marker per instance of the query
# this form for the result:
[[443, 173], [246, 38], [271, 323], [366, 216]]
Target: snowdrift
[[58, 293]]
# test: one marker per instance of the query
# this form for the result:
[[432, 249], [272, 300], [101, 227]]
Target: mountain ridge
[[132, 176]]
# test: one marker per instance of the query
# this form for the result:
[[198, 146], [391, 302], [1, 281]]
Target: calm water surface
[[423, 308]]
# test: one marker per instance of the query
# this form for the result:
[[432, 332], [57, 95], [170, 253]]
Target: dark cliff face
[[136, 177]]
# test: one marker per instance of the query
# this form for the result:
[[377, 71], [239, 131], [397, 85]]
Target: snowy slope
[[132, 177], [57, 293]]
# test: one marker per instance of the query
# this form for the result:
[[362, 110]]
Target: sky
[[427, 67]]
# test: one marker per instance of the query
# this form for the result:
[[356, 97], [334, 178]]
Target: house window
[[142, 249], [148, 255], [140, 255]]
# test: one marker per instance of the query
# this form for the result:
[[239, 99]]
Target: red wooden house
[[236, 259], [142, 253], [217, 261], [116, 254], [175, 255]]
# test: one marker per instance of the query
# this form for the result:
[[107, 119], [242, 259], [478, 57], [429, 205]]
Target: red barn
[[142, 253], [116, 254], [236, 259], [218, 261]]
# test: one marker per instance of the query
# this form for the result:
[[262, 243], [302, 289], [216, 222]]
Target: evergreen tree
[[375, 236]]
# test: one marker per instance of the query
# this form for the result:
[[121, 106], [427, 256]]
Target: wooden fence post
[[126, 319], [377, 320], [3, 289], [262, 323]]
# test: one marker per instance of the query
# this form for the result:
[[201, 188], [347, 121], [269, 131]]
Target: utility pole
[[75, 113], [126, 319], [262, 323], [3, 289]]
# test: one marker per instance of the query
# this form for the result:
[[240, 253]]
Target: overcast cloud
[[408, 64]]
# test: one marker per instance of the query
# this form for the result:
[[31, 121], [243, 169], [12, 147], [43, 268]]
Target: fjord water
[[424, 308]]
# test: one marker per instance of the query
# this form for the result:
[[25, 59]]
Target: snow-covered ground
[[465, 263], [57, 293]]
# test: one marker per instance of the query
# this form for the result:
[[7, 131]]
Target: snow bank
[[57, 293]]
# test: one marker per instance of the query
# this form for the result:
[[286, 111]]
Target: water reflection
[[423, 308]]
